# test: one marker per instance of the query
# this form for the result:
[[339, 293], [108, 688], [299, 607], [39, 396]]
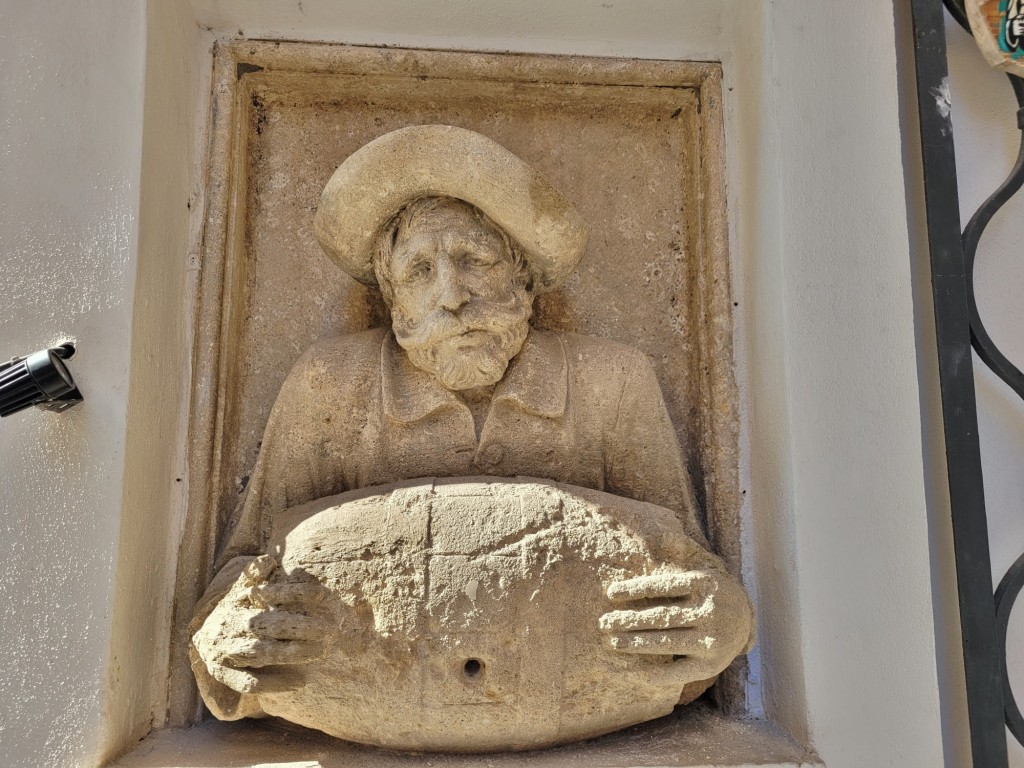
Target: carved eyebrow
[[416, 259], [484, 240], [408, 261]]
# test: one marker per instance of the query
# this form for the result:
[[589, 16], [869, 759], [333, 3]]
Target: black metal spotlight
[[40, 379]]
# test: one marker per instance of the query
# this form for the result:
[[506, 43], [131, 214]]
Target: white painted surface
[[987, 140], [836, 504], [858, 495], [155, 474], [70, 135]]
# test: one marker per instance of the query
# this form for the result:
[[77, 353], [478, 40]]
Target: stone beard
[[468, 346], [471, 350]]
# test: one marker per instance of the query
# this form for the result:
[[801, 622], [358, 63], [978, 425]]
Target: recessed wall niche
[[636, 145]]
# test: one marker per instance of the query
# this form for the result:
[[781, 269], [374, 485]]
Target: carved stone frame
[[246, 74]]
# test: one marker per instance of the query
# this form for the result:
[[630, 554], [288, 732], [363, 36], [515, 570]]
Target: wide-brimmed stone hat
[[376, 181]]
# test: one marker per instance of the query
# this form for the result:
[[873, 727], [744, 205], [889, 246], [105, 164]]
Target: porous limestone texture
[[699, 737], [459, 246], [636, 149], [480, 614], [447, 161]]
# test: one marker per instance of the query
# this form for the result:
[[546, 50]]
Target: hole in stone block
[[473, 667]]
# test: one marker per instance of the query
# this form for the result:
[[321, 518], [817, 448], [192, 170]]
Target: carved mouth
[[472, 336]]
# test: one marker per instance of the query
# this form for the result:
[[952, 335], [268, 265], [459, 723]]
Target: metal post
[[982, 656]]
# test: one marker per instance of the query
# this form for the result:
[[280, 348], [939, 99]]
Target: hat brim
[[376, 181]]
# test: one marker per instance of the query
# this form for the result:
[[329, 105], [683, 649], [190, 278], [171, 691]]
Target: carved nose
[[454, 294]]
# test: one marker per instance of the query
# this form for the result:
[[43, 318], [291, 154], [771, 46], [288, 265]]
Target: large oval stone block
[[465, 613]]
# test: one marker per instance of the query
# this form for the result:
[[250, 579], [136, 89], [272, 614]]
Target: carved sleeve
[[271, 483], [294, 464], [290, 469], [273, 477], [643, 457]]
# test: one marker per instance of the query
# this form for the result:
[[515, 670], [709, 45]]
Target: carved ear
[[425, 160]]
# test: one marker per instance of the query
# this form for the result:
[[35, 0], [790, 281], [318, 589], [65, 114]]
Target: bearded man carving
[[460, 236]]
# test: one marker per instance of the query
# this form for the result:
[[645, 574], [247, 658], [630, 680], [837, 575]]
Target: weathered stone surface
[[482, 614], [697, 738], [635, 145], [502, 617], [446, 161]]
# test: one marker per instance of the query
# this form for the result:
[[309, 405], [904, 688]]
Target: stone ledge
[[696, 737]]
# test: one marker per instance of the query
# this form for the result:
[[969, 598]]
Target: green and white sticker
[[998, 27]]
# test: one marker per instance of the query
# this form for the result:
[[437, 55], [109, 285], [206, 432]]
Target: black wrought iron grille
[[984, 614]]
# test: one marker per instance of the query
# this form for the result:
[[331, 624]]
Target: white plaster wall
[[854, 432], [71, 89], [176, 67], [987, 140], [836, 510]]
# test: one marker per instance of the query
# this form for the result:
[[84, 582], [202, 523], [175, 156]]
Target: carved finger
[[660, 617], [258, 570], [280, 679], [282, 625], [687, 669], [675, 642], [236, 679], [255, 653], [663, 585], [293, 597]]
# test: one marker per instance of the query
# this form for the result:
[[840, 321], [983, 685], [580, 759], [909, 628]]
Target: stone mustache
[[463, 533]]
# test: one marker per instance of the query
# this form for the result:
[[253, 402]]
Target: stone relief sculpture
[[463, 533]]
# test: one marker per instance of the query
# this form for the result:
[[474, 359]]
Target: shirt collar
[[536, 381]]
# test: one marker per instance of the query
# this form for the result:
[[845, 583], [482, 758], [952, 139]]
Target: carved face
[[457, 306]]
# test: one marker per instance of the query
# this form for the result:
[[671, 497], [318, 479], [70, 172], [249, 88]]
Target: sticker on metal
[[998, 27]]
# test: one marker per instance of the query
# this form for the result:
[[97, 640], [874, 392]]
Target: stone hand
[[701, 617], [259, 625]]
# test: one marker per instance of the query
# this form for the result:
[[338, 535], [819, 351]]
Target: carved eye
[[419, 271], [478, 259]]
